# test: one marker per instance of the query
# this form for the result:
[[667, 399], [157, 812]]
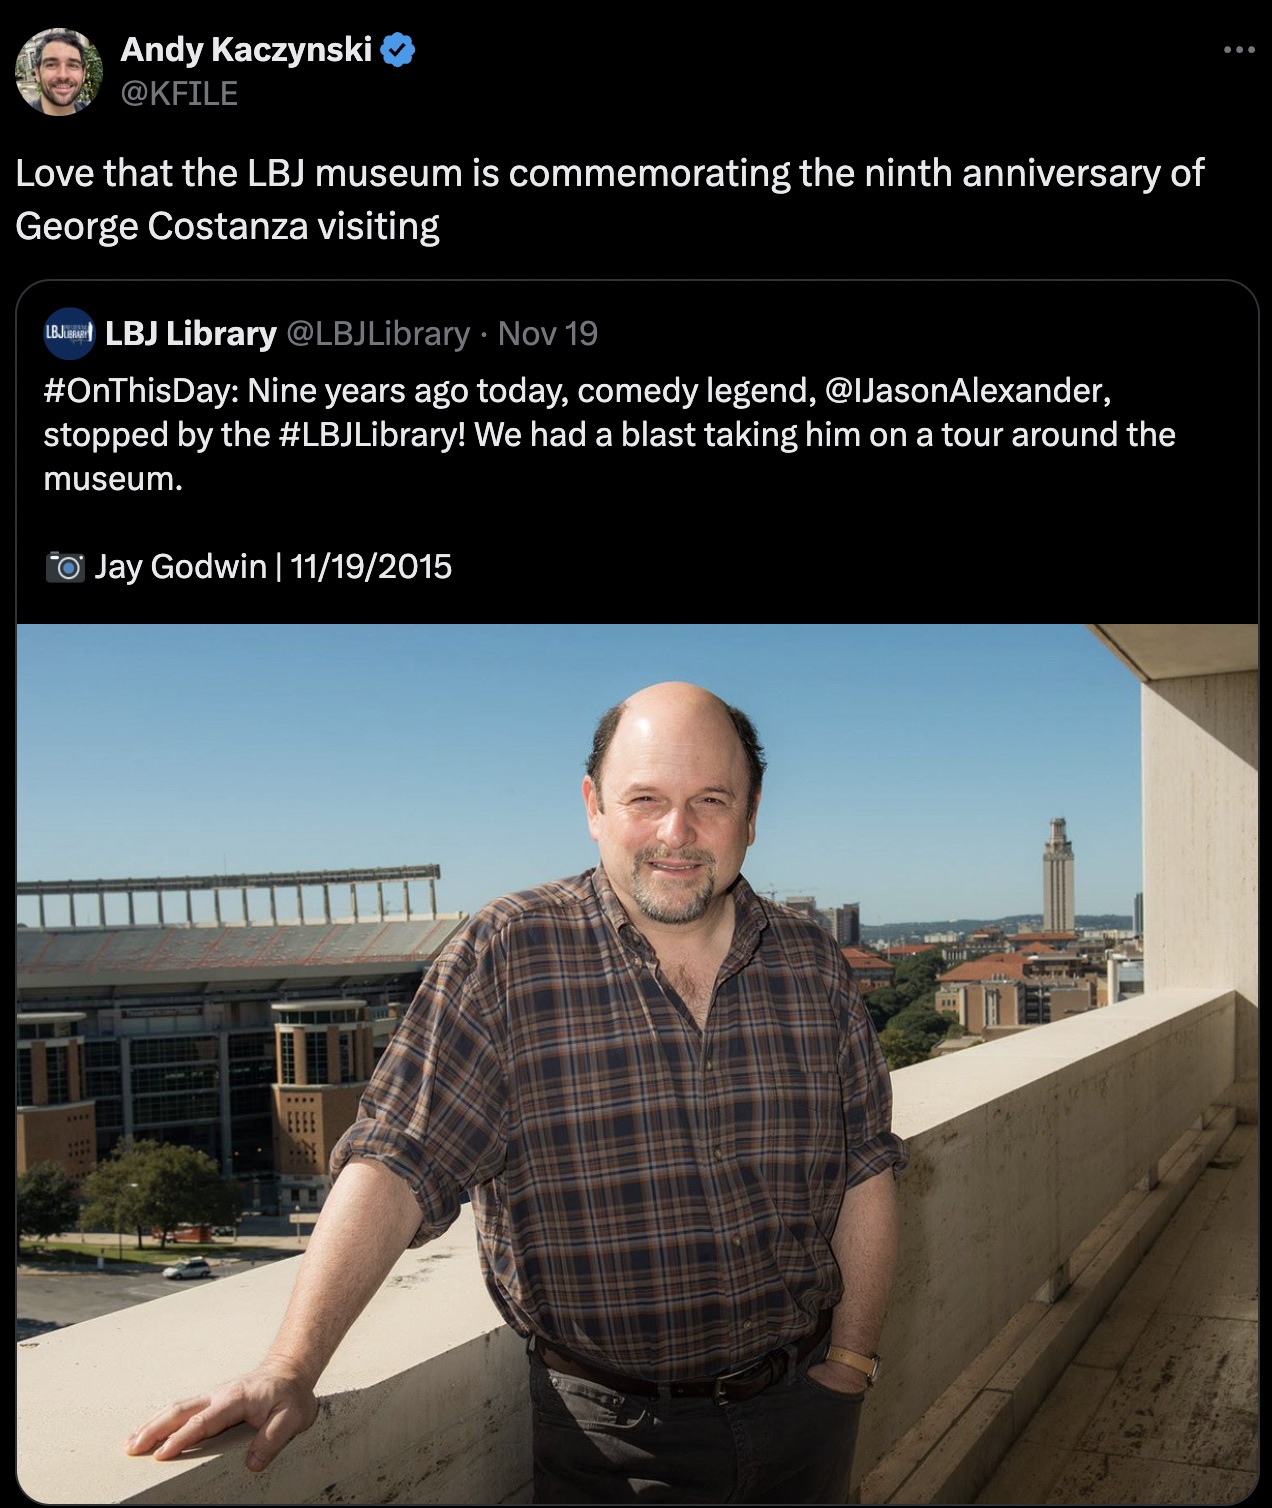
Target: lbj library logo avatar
[[64, 567], [69, 334]]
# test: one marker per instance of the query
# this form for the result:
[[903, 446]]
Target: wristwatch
[[869, 1365]]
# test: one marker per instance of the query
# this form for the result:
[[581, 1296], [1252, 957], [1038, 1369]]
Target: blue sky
[[912, 767]]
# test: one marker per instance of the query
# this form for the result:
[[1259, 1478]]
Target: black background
[[1156, 296]]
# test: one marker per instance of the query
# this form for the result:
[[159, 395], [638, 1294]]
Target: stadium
[[246, 1036]]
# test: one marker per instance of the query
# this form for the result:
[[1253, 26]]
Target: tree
[[913, 983], [912, 1033], [883, 1004], [47, 1201], [182, 1186], [900, 1050], [112, 1193], [918, 973], [158, 1186], [92, 74]]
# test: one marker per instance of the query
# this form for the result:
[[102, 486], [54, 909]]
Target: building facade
[[326, 1051], [57, 1119], [1003, 991], [842, 922], [869, 970], [848, 924]]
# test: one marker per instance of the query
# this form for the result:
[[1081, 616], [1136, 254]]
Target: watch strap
[[868, 1365]]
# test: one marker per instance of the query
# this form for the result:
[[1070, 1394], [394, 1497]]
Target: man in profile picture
[[60, 67]]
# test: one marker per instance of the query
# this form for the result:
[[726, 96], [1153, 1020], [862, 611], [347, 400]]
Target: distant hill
[[890, 932]]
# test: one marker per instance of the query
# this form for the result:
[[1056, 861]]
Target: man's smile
[[687, 865]]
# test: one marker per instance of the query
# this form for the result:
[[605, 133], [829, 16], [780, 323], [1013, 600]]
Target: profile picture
[[58, 71]]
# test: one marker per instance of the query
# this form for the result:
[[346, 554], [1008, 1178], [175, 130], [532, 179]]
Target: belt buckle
[[718, 1394]]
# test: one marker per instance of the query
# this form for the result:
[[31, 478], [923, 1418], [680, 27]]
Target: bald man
[[674, 1121]]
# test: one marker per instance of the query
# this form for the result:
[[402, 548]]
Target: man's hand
[[276, 1401], [368, 1219], [837, 1377]]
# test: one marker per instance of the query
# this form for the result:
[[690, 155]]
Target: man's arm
[[865, 1246], [367, 1222]]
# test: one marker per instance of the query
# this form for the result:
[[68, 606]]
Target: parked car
[[192, 1267]]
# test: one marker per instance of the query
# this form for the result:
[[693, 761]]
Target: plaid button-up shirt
[[657, 1199]]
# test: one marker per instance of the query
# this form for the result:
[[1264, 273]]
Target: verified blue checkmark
[[397, 49]]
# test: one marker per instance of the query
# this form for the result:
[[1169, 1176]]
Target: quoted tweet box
[[187, 440]]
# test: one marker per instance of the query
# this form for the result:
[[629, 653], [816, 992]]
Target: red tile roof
[[863, 960], [988, 966]]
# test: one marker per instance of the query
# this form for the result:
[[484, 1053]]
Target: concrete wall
[[1200, 739], [1018, 1150], [1201, 832], [426, 1400]]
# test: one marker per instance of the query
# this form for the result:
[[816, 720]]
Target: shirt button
[[737, 1240], [707, 1064], [719, 1153]]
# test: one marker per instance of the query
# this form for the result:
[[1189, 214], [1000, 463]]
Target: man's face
[[670, 815], [61, 74]]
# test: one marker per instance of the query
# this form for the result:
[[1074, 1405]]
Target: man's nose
[[676, 830]]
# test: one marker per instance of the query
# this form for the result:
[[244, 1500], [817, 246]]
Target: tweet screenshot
[[297, 337]]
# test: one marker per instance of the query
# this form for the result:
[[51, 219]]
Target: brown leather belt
[[728, 1387]]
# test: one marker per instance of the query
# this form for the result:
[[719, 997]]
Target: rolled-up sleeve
[[435, 1109], [873, 1147]]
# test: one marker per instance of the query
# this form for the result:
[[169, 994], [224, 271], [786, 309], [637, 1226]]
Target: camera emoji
[[63, 567]]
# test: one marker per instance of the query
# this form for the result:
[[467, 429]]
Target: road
[[52, 1296]]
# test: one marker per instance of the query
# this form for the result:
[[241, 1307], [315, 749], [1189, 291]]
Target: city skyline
[[912, 767]]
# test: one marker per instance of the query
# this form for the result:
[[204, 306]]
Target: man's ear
[[592, 802], [750, 828]]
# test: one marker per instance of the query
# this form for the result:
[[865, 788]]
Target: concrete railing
[[1019, 1149]]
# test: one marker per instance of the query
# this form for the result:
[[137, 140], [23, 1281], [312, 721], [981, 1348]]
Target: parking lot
[[51, 1295]]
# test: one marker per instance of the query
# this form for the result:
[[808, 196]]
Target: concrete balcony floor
[[1160, 1405]]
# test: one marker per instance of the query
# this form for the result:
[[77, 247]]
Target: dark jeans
[[791, 1444]]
